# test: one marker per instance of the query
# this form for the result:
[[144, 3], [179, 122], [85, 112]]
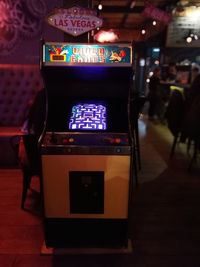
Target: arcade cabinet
[[87, 146]]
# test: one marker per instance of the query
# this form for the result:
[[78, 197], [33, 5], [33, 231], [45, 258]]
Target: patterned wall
[[22, 25]]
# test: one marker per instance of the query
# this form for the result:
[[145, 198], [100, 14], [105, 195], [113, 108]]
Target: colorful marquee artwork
[[68, 54]]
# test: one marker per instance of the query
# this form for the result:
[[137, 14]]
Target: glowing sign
[[62, 53], [106, 36], [88, 117], [153, 12], [87, 54], [75, 20]]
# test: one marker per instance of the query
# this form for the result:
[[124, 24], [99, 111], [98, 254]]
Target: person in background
[[194, 90], [35, 118], [154, 96], [172, 72], [191, 123], [37, 114], [33, 124], [194, 73]]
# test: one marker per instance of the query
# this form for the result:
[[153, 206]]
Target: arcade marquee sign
[[75, 20], [56, 54]]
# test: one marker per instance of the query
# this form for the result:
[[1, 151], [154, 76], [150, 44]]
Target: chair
[[175, 114], [31, 166], [184, 124], [136, 106], [195, 153], [191, 128]]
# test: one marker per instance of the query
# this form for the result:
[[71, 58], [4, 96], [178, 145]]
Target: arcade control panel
[[85, 143]]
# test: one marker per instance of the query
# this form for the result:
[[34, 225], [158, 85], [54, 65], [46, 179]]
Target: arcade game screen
[[88, 99], [88, 116]]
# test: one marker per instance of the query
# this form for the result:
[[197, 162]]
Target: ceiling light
[[100, 6], [183, 2], [189, 39], [106, 36], [154, 23], [132, 4], [150, 73], [143, 31], [156, 49]]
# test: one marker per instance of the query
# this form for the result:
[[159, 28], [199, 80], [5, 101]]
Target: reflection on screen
[[88, 116]]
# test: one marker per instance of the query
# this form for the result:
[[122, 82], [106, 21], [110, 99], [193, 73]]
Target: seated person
[[194, 90], [34, 123], [194, 73], [154, 94]]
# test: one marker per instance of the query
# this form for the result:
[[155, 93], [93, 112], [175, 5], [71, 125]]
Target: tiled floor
[[164, 223]]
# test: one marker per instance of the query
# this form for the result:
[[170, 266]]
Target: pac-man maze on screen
[[88, 117]]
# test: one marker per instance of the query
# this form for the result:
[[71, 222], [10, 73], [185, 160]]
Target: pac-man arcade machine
[[87, 147]]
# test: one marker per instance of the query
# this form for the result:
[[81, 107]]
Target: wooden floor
[[164, 223]]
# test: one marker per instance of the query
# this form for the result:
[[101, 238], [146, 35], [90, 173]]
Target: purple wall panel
[[20, 38]]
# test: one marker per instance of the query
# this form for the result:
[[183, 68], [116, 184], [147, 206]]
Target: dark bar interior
[[99, 133]]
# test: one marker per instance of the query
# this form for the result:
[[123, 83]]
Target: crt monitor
[[87, 114], [90, 116], [106, 88]]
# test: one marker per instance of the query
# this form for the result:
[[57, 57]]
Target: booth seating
[[19, 84]]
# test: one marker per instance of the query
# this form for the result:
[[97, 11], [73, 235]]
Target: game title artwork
[[86, 54], [77, 54]]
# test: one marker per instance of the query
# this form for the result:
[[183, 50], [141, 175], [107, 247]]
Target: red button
[[117, 140]]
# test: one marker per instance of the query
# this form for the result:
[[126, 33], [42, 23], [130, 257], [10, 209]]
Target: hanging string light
[[143, 31], [100, 6], [132, 4], [154, 23], [106, 36], [191, 37]]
